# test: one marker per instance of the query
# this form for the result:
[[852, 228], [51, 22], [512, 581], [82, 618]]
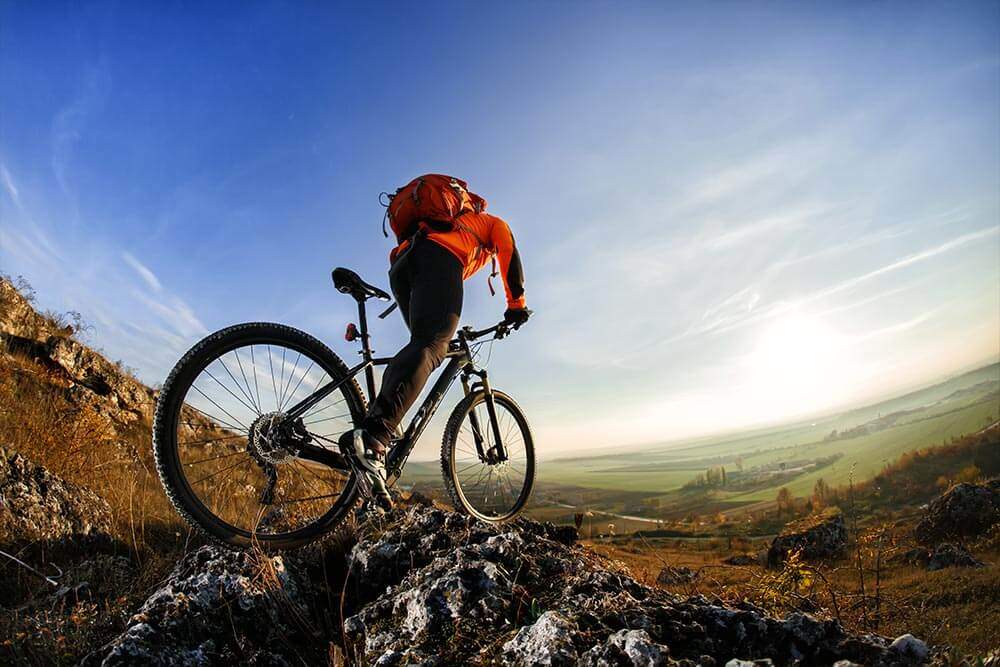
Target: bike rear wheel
[[225, 451], [488, 489]]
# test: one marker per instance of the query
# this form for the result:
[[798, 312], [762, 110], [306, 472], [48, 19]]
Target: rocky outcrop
[[438, 588], [951, 555], [431, 587], [963, 512], [36, 505], [218, 607], [818, 536], [942, 556], [105, 387]]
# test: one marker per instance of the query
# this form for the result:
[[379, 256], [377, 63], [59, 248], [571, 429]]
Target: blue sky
[[729, 213]]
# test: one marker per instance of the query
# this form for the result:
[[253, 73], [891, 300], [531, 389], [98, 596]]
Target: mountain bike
[[246, 427]]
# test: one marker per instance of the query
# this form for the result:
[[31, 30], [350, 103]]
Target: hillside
[[106, 573], [853, 446]]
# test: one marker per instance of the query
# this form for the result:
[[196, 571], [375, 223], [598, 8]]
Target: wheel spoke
[[493, 491], [274, 386], [299, 383], [253, 364], [210, 440], [326, 419], [288, 383], [213, 418], [214, 458], [251, 409], [219, 472], [236, 382], [222, 464], [249, 393]]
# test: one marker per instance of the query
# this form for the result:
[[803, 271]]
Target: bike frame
[[460, 363]]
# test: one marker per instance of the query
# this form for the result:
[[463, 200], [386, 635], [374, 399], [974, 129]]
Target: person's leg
[[435, 306]]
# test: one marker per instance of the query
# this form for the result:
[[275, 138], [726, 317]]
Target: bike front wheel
[[489, 487]]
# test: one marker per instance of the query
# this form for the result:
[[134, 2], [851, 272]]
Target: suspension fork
[[477, 433], [498, 450]]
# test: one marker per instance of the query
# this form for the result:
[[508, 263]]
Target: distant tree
[[821, 494], [784, 500]]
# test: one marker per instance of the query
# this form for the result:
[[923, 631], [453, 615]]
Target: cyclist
[[426, 274]]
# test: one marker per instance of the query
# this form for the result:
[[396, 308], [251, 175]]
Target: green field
[[645, 481]]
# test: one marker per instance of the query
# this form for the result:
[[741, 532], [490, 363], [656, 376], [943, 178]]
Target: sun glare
[[798, 364]]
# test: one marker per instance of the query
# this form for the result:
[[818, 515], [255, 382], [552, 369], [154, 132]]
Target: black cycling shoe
[[367, 457]]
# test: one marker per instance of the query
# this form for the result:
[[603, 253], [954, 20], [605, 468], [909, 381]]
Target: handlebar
[[498, 330]]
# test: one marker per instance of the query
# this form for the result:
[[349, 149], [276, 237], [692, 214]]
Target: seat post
[[366, 349]]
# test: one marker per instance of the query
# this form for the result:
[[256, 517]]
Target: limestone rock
[[431, 587], [818, 536], [964, 511], [36, 505], [216, 607], [951, 555]]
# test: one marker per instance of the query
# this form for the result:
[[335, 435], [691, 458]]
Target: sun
[[798, 364]]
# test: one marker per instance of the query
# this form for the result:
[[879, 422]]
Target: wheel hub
[[269, 438]]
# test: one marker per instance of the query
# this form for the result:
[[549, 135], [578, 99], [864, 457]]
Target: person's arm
[[509, 259]]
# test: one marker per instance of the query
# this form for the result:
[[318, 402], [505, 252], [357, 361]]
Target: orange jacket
[[464, 242]]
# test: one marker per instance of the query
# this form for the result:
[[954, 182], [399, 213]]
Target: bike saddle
[[349, 282]]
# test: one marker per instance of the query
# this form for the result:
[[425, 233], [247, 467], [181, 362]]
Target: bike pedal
[[373, 507]]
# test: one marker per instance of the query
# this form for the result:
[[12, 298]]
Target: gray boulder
[[818, 536], [633, 648], [217, 607], [36, 505], [940, 557], [910, 649], [963, 512], [951, 555], [547, 641]]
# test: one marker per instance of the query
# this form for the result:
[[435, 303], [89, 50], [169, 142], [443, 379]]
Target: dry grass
[[46, 419], [39, 420], [954, 606]]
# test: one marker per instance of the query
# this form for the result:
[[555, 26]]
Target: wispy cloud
[[8, 184], [29, 240], [908, 261], [896, 328], [68, 124], [144, 272], [738, 310], [175, 312]]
